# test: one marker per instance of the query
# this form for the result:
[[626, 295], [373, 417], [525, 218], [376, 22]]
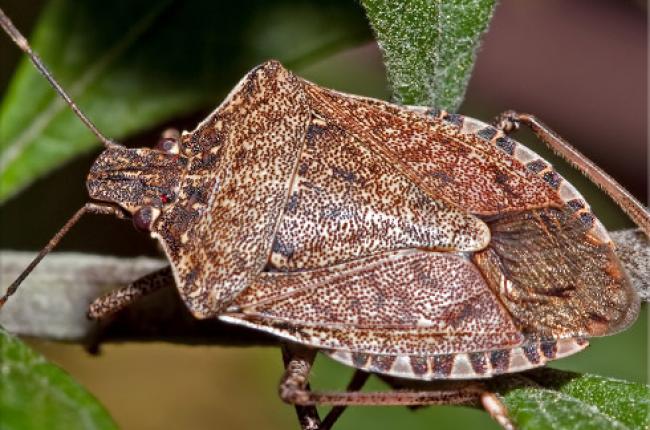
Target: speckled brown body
[[396, 239]]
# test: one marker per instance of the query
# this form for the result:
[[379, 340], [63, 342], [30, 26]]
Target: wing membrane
[[554, 278]]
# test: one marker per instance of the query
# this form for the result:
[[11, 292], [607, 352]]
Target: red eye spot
[[166, 197]]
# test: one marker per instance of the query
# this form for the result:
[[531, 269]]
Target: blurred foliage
[[35, 394], [131, 65], [429, 46]]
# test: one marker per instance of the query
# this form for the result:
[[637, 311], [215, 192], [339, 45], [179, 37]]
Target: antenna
[[22, 43], [88, 208], [96, 208]]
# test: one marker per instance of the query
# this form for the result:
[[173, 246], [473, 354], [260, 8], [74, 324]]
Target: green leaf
[[35, 394], [133, 64], [565, 400], [429, 46]]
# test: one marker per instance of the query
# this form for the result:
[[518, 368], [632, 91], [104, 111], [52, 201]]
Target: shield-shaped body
[[396, 239]]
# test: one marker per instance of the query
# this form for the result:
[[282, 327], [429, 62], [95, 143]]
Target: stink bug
[[399, 240]]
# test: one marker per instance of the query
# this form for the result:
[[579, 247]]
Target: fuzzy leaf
[[36, 394], [133, 64], [429, 46], [566, 400]]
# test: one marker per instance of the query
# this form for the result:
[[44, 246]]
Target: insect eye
[[144, 217], [166, 197], [168, 145]]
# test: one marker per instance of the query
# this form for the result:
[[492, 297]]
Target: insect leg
[[307, 415], [358, 380], [93, 208], [510, 121], [294, 389], [301, 359], [496, 409], [119, 299]]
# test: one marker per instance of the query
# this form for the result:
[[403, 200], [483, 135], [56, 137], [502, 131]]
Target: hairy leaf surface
[[429, 46]]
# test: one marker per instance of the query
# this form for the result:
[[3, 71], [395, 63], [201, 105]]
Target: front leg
[[116, 300]]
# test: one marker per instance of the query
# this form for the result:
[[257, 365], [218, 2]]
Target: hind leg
[[294, 389], [510, 121]]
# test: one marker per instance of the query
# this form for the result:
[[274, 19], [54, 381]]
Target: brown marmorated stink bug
[[399, 240]]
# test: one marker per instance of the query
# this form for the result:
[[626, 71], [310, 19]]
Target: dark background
[[581, 66]]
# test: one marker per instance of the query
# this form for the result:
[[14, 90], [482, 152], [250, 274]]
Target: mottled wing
[[457, 167], [242, 158], [550, 261], [409, 313], [402, 302], [347, 202]]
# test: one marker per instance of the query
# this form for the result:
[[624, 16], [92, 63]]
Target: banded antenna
[[23, 44]]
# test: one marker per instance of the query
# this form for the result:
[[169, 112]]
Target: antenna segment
[[23, 44]]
